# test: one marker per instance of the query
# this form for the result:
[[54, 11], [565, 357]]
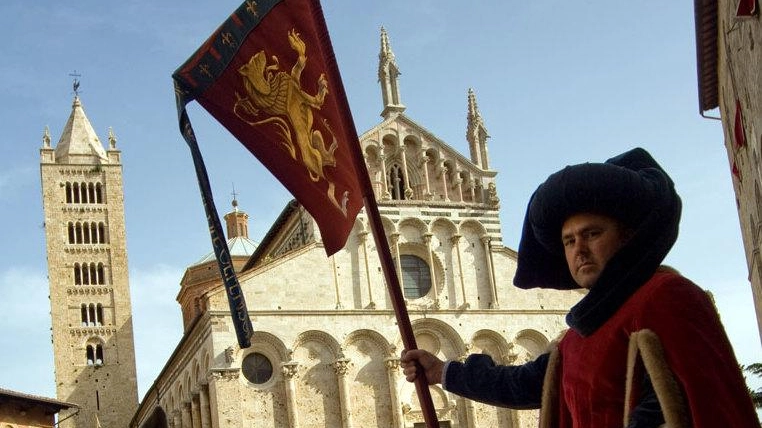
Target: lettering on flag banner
[[269, 75]]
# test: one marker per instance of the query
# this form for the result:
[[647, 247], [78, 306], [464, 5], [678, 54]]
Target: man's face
[[589, 241]]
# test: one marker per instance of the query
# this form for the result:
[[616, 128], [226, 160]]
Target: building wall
[[740, 92]]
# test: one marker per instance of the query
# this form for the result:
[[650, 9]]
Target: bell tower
[[90, 308]]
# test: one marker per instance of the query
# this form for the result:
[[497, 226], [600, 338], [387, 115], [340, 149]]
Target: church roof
[[51, 404], [239, 246], [78, 138]]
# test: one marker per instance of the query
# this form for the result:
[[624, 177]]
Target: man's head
[[589, 241], [630, 190]]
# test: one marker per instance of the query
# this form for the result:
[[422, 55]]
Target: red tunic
[[593, 368]]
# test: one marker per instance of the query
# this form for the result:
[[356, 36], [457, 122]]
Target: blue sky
[[557, 83]]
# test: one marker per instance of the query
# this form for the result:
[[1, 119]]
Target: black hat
[[630, 188]]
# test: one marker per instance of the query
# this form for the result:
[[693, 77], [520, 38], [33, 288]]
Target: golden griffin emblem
[[288, 107]]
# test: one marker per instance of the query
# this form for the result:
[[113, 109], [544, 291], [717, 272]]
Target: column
[[494, 304], [472, 190], [406, 174], [385, 195], [456, 243], [396, 248], [195, 410], [425, 165], [362, 236], [444, 183], [427, 240], [392, 373], [341, 367], [177, 421], [336, 282], [206, 411], [186, 415], [459, 184], [290, 371]]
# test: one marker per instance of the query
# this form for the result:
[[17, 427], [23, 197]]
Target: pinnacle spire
[[476, 133], [388, 72], [79, 143]]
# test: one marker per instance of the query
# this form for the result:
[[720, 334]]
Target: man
[[645, 345]]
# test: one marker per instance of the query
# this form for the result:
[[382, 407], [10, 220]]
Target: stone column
[[195, 410], [405, 174], [459, 184], [336, 282], [392, 373], [472, 190], [444, 183], [425, 166], [290, 371], [396, 248], [456, 243], [494, 304], [363, 240], [206, 419], [385, 195], [186, 415], [341, 367], [177, 421], [432, 272]]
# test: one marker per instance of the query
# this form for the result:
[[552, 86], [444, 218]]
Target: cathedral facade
[[90, 309], [325, 350]]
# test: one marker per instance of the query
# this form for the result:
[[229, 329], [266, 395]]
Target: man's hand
[[416, 359]]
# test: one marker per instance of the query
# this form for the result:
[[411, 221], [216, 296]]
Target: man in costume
[[645, 345]]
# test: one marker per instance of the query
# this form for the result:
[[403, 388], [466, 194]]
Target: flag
[[268, 74]]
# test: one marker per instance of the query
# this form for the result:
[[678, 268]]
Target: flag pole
[[398, 301]]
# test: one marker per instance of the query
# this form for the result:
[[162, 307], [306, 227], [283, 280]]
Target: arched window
[[90, 193], [83, 190], [71, 233], [91, 320], [90, 355], [416, 277], [99, 314], [93, 274], [77, 275], [257, 368], [94, 354], [83, 310], [75, 192], [68, 192], [85, 274], [79, 233], [101, 274], [99, 355], [101, 233], [98, 193], [396, 181]]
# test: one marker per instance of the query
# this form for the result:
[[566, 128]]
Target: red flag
[[269, 75]]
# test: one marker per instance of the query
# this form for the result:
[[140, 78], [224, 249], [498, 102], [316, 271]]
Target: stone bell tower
[[90, 306]]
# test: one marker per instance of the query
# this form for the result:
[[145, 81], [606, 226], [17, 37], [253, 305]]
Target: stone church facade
[[91, 315], [325, 351]]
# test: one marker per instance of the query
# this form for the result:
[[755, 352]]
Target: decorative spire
[[235, 201], [111, 139], [476, 133], [46, 138], [79, 143], [388, 72]]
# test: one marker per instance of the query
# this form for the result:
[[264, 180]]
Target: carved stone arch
[[196, 375], [389, 226], [447, 341], [390, 143], [372, 150], [492, 343], [446, 224], [474, 225], [359, 226], [188, 383], [321, 337], [533, 343], [419, 250], [372, 336], [412, 229], [269, 345]]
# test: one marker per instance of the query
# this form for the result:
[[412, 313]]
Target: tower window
[[68, 192], [416, 277], [92, 314], [257, 368], [94, 355]]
